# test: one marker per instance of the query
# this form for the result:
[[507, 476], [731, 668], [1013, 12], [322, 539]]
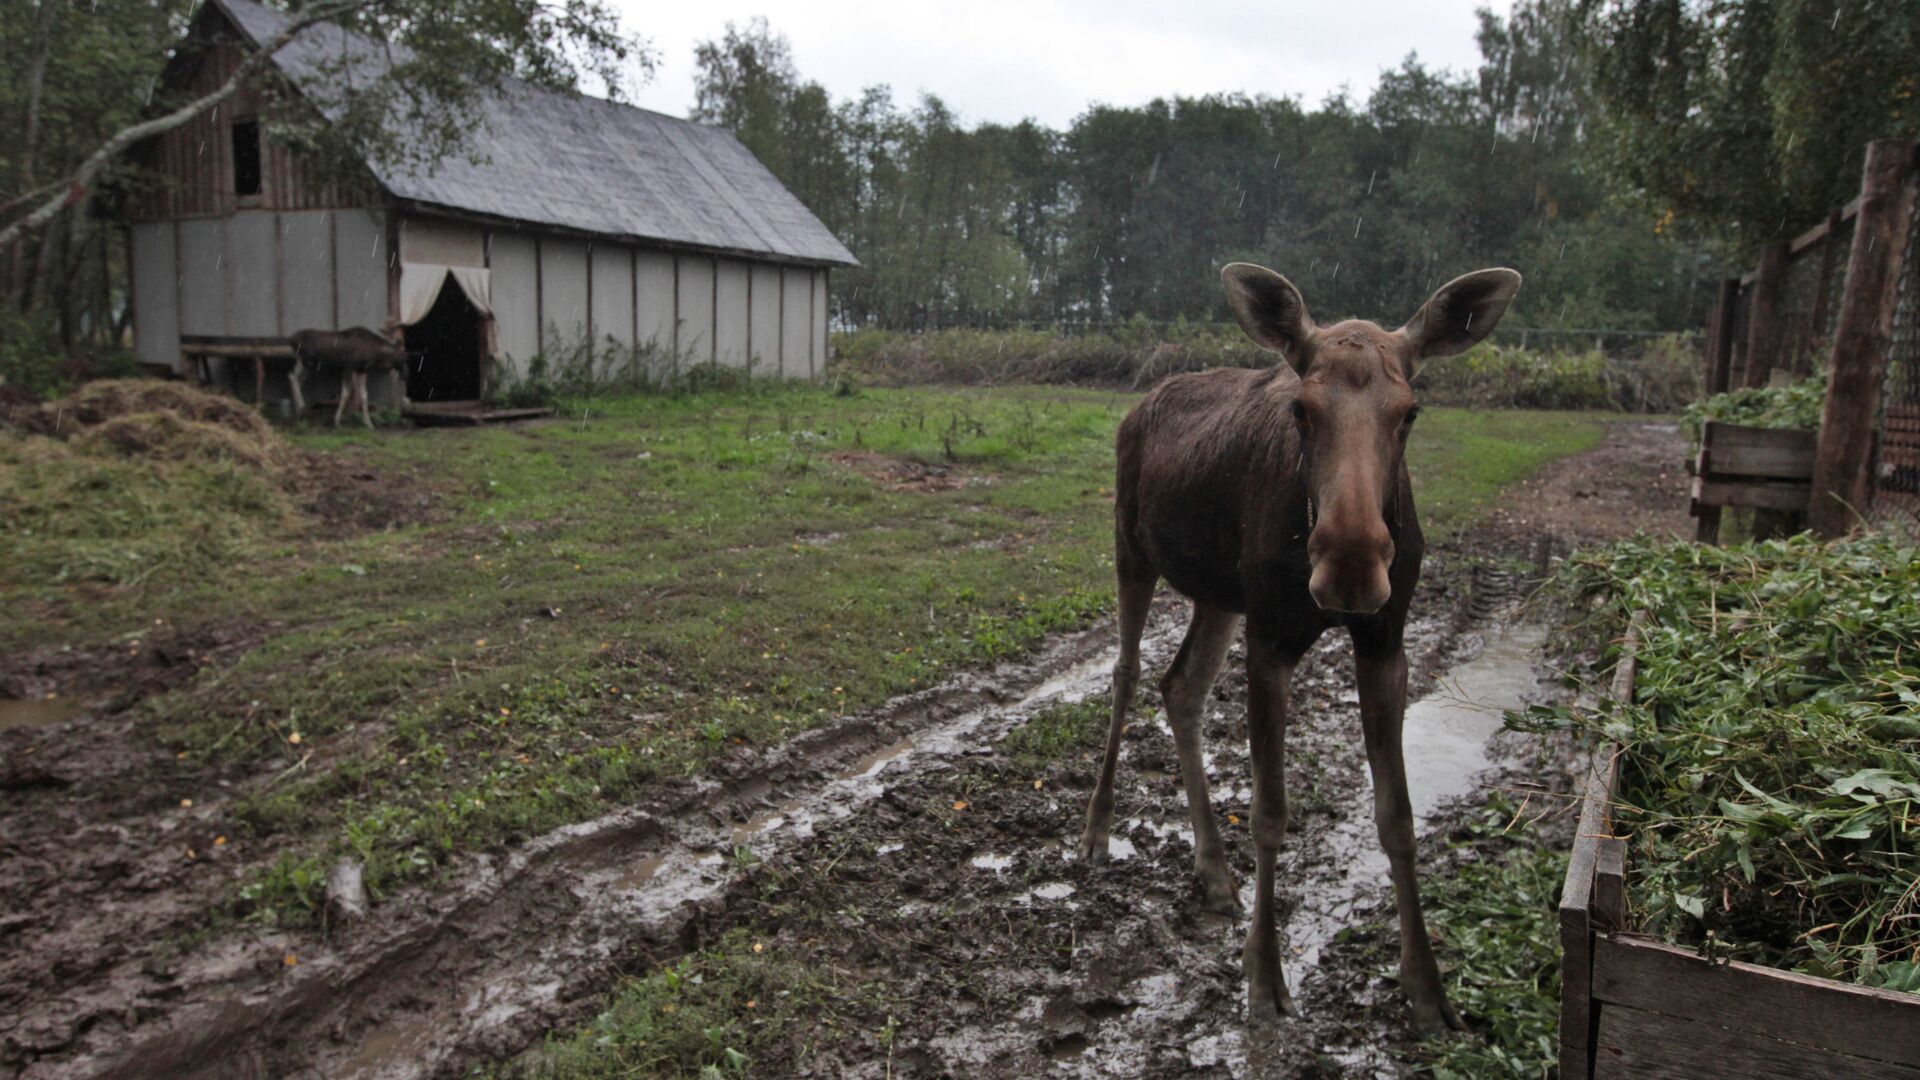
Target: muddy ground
[[906, 850]]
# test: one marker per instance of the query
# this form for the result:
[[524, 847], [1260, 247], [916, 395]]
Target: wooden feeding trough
[[1634, 1007], [1762, 468]]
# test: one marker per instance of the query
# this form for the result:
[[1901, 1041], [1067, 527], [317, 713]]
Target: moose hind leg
[[1383, 701], [1184, 689], [360, 389], [1269, 677], [346, 395], [1136, 598]]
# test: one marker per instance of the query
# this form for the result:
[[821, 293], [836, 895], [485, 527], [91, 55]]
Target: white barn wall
[[818, 353], [156, 295], [203, 277], [695, 305], [796, 317], [653, 291], [306, 271], [730, 313], [763, 322], [563, 292], [360, 267], [253, 306], [612, 294], [516, 308]]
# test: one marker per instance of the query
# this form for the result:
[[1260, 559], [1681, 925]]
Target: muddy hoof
[[1266, 1009], [1222, 897], [1431, 1022], [1092, 848]]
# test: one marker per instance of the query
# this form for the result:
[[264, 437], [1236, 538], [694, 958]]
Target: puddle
[[1444, 742], [640, 874], [995, 863], [36, 712], [888, 849], [870, 766], [390, 1049], [1053, 890]]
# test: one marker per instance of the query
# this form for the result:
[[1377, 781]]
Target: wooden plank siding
[[197, 157]]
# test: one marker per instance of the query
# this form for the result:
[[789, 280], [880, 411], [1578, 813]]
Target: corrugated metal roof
[[553, 158]]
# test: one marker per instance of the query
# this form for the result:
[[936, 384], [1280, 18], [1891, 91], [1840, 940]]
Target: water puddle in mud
[[1444, 742], [995, 863], [390, 1048], [36, 712]]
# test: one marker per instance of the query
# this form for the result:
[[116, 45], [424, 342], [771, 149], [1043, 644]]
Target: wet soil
[[999, 955]]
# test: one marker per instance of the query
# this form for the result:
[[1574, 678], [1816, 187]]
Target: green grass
[[630, 593]]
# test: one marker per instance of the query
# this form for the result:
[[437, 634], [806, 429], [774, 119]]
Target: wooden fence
[[1634, 1007], [1843, 298]]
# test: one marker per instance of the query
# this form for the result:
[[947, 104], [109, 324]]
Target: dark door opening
[[444, 349]]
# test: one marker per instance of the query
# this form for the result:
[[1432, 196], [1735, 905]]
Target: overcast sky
[[1002, 60]]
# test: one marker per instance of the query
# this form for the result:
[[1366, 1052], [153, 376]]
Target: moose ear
[[1269, 309], [1461, 314]]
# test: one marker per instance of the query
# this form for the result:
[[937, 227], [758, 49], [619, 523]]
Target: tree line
[[1617, 152]]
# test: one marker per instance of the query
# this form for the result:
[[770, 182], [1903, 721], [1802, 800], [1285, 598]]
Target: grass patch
[[706, 1014], [1054, 731], [614, 598], [1771, 765]]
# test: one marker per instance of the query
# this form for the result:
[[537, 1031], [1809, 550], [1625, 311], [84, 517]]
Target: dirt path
[[909, 853]]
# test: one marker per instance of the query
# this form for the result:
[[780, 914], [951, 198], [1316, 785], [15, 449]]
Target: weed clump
[[1771, 757]]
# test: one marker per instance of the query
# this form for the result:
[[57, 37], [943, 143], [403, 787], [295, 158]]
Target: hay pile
[[154, 420], [130, 476]]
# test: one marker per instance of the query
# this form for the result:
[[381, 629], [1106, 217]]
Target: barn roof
[[547, 157]]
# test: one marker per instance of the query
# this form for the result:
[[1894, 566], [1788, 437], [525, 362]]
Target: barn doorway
[[444, 349]]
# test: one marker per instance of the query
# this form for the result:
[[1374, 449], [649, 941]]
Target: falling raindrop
[[1243, 199], [1356, 226], [1336, 271], [1370, 179]]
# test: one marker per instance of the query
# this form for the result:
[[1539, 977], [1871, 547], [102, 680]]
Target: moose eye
[[1412, 415], [1299, 412]]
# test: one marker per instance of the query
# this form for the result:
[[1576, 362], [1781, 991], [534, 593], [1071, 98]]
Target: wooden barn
[[571, 220]]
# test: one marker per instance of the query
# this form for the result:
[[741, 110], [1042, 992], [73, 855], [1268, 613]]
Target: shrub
[[1795, 405]]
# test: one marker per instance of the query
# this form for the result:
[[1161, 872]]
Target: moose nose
[[1350, 577]]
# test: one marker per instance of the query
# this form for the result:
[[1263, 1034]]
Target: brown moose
[[1281, 496], [349, 353]]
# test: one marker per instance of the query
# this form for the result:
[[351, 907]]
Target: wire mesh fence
[[1896, 469]]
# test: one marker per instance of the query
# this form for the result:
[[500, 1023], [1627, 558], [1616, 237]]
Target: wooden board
[[1758, 1002], [1641, 1045], [1764, 494]]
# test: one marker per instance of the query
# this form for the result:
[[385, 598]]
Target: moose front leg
[[1269, 675], [1383, 703]]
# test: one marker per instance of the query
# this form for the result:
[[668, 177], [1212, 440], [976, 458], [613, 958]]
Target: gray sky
[[1002, 60]]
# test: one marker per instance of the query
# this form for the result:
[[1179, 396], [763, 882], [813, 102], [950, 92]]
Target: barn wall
[[696, 309], [653, 289], [360, 267], [763, 324], [443, 243], [306, 271], [198, 155], [730, 313], [818, 352], [516, 310], [612, 294], [563, 292], [203, 277], [156, 297], [252, 273], [796, 322]]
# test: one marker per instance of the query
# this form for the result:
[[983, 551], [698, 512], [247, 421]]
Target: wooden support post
[[1830, 255], [1720, 336], [260, 383], [1862, 339], [1763, 321]]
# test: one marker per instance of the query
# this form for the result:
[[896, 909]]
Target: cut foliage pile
[[1794, 405], [1770, 777], [126, 476]]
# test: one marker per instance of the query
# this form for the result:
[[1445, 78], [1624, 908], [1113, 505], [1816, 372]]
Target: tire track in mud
[[482, 970], [525, 943]]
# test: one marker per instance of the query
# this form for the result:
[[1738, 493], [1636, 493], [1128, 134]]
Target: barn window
[[246, 157]]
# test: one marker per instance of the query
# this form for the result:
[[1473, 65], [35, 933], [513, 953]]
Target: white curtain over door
[[420, 285]]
